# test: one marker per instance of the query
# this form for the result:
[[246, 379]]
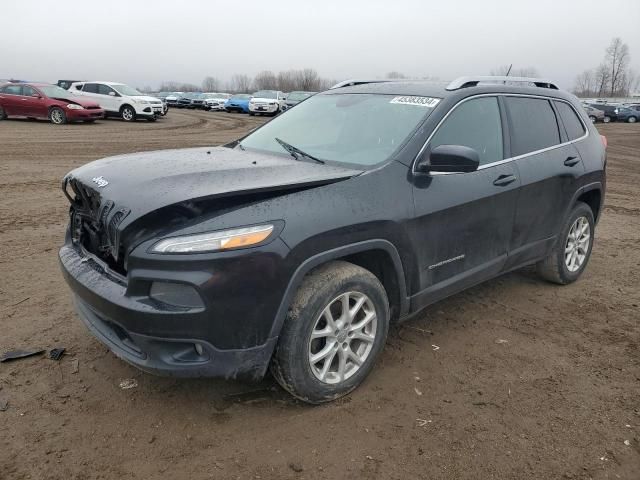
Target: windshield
[[298, 95], [126, 90], [266, 94], [52, 91], [361, 129]]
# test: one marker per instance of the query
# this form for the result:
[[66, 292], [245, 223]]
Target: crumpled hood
[[141, 183]]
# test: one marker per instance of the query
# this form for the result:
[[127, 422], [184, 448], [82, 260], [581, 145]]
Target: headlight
[[75, 106], [272, 103], [210, 242]]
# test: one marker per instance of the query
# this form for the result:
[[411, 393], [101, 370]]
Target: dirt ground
[[530, 380]]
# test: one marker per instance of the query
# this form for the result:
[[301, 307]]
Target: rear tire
[[593, 119], [128, 114], [57, 116], [3, 115], [350, 339], [606, 119], [570, 255], [632, 120]]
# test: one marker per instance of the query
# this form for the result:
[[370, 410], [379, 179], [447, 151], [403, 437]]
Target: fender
[[334, 254], [584, 189]]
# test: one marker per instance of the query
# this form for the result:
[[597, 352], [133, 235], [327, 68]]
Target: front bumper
[[86, 114], [227, 337], [263, 108]]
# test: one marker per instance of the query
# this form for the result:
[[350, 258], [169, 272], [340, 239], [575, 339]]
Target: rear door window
[[90, 88], [533, 125], [12, 90], [572, 124], [475, 124]]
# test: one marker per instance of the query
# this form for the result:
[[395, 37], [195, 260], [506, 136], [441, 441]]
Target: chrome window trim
[[506, 160]]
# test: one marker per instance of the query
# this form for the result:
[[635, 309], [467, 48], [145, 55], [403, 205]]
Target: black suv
[[296, 246]]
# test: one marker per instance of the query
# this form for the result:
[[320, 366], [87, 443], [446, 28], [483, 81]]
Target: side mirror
[[450, 159], [112, 94], [35, 95]]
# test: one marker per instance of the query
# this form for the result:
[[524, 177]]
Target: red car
[[40, 100]]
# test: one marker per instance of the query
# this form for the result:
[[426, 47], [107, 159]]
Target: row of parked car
[[612, 112], [78, 101], [268, 102]]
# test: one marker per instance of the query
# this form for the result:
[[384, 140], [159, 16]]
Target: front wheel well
[[592, 198], [379, 263]]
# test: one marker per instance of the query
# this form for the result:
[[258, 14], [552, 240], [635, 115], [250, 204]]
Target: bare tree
[[178, 87], [287, 81], [584, 84], [210, 84], [395, 75], [617, 59], [309, 80], [265, 80], [240, 83], [602, 76]]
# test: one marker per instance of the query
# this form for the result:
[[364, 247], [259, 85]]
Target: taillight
[[604, 141]]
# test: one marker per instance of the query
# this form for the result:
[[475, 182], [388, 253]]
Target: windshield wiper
[[295, 151]]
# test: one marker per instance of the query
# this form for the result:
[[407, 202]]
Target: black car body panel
[[425, 235]]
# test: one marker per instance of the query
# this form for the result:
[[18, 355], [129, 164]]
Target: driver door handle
[[503, 180], [571, 161]]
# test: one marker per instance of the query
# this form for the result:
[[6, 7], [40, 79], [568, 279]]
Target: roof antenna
[[509, 71]]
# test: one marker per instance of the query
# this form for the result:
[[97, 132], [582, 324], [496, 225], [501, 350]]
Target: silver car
[[595, 115]]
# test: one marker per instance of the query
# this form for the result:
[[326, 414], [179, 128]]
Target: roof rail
[[464, 82], [351, 83]]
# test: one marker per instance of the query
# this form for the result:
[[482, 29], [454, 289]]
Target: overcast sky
[[145, 42]]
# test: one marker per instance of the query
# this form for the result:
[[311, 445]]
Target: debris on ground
[[422, 422], [56, 353], [296, 467], [75, 366], [4, 404], [627, 443], [501, 340], [128, 383], [17, 354], [435, 347], [418, 392]]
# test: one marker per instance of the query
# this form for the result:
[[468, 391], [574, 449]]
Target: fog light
[[199, 349], [177, 294]]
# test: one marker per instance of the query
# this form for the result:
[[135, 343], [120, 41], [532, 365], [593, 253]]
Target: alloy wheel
[[577, 244], [57, 116], [342, 337], [127, 114]]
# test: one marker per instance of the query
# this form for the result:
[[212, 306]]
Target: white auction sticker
[[419, 101]]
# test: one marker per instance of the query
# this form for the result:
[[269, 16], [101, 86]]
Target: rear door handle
[[503, 180], [571, 161]]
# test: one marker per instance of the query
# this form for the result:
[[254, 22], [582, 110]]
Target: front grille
[[95, 224]]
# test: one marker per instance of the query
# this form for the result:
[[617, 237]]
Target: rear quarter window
[[572, 124], [533, 125]]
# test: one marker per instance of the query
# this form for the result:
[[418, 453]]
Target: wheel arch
[[380, 257], [127, 105], [591, 195]]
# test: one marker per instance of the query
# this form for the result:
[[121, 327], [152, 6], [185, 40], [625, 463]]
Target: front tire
[[606, 119], [128, 114], [3, 114], [593, 119], [632, 119], [334, 331], [57, 116], [571, 253]]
